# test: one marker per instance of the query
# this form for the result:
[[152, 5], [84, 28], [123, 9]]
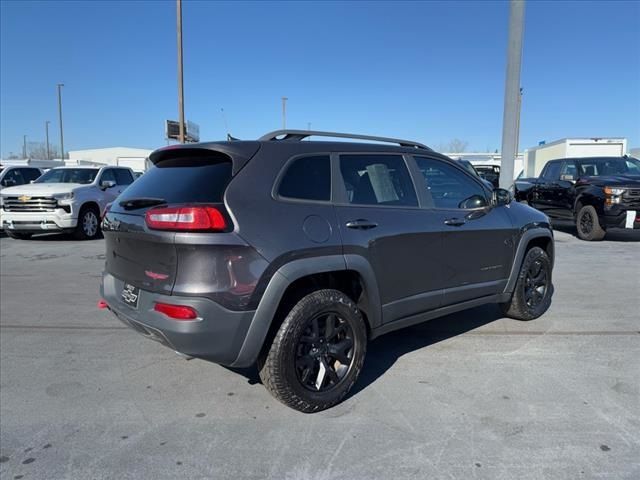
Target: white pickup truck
[[65, 199]]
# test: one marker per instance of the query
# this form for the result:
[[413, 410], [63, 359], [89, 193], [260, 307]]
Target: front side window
[[123, 177], [377, 180], [449, 187], [307, 178], [552, 171], [569, 171], [108, 176], [83, 176]]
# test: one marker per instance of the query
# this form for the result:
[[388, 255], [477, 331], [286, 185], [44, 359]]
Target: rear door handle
[[455, 222], [361, 224]]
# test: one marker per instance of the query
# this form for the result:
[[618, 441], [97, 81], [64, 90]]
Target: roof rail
[[299, 135]]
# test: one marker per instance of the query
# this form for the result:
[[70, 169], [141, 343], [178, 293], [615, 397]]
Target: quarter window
[[377, 180], [449, 187], [307, 178]]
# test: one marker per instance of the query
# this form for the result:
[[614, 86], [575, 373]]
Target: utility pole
[[284, 113], [180, 76], [24, 146], [512, 93], [518, 124], [46, 129], [60, 85]]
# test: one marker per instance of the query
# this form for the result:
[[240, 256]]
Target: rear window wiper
[[134, 203]]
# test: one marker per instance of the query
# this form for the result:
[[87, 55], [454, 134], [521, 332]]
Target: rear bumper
[[37, 221], [218, 335], [617, 218]]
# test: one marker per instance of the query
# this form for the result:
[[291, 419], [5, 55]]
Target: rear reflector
[[177, 312], [102, 304], [201, 218]]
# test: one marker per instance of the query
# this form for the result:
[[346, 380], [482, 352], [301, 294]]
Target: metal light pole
[[60, 85], [284, 113], [46, 129], [180, 75], [24, 146], [512, 93]]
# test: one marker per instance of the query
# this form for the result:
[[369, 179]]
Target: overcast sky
[[427, 71]]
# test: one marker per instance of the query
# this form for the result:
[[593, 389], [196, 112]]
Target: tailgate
[[139, 256]]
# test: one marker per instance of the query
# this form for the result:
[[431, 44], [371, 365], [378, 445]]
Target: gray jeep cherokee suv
[[293, 254]]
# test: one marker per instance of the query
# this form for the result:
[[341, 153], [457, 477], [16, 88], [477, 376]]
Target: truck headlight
[[613, 194], [64, 197]]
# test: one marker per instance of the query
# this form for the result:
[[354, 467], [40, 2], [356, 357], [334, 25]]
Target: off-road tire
[[82, 232], [518, 307], [588, 225], [19, 235], [277, 367]]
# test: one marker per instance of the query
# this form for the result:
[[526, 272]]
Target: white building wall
[[111, 156]]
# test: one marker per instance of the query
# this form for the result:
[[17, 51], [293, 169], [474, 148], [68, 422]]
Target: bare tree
[[38, 151], [453, 146]]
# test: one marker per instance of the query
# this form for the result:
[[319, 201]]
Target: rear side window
[[30, 174], [199, 179], [377, 180], [307, 178]]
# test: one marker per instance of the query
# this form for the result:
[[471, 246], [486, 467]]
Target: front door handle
[[455, 222], [361, 224]]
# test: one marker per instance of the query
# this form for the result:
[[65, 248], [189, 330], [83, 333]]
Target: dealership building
[[135, 158]]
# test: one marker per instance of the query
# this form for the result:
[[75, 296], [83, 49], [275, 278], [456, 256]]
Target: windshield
[[595, 167], [69, 175]]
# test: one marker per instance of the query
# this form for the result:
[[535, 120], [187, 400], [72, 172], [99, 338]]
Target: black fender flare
[[285, 276], [529, 232]]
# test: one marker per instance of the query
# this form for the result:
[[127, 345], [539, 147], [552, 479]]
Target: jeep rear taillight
[[189, 218]]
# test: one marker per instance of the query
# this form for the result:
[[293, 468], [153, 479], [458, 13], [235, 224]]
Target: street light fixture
[[60, 85]]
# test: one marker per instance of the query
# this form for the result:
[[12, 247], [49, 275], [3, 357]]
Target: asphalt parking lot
[[472, 395]]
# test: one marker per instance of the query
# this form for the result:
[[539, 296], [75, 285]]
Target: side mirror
[[474, 201], [568, 178], [107, 184], [501, 197]]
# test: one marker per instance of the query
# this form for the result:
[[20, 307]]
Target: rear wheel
[[317, 354], [19, 235], [532, 293], [88, 226], [588, 225]]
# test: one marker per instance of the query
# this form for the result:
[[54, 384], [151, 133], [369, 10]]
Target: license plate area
[[130, 295]]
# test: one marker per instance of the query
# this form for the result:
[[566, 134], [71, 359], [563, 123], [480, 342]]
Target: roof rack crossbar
[[299, 135]]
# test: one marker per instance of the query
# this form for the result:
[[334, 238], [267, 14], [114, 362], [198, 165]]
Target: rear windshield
[[183, 180]]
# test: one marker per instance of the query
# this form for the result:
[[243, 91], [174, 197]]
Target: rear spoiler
[[239, 152]]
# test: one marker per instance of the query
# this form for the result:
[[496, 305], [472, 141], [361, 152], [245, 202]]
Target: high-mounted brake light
[[200, 218], [176, 312]]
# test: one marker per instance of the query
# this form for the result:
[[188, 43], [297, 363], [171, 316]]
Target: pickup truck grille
[[631, 198], [33, 204]]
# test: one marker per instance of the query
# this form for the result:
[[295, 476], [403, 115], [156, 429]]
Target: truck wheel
[[88, 226], [588, 225], [19, 235], [532, 293], [317, 354]]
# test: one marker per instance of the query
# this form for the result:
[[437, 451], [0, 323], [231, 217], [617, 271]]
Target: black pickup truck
[[596, 194]]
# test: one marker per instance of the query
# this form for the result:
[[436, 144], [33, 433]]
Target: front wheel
[[317, 354], [88, 226], [588, 225], [532, 293]]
